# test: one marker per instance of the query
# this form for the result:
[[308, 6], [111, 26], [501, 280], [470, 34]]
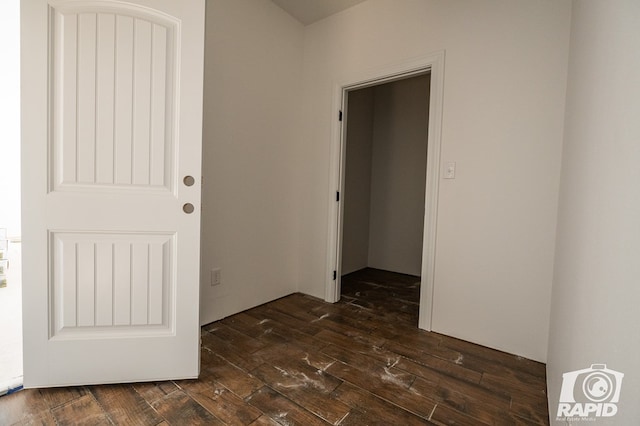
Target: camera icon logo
[[589, 392], [597, 387]]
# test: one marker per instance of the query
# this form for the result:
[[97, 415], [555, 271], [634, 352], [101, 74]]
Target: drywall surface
[[357, 191], [253, 59], [596, 282], [504, 91], [399, 161]]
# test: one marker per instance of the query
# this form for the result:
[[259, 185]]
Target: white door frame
[[433, 63]]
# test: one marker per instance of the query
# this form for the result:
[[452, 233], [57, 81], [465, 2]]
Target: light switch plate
[[450, 170]]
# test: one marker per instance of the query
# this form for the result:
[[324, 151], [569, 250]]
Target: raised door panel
[[111, 285], [113, 74]]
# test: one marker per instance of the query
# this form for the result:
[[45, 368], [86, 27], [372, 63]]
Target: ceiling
[[310, 11]]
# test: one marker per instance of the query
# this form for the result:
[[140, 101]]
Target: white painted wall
[[10, 118], [252, 89], [597, 273], [398, 173], [357, 191], [505, 80]]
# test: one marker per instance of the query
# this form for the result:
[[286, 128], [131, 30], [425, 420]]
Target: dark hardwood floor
[[300, 361]]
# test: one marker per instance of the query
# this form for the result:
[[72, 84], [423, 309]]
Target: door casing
[[434, 64]]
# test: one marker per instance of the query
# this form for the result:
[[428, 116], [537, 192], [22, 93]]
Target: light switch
[[450, 170]]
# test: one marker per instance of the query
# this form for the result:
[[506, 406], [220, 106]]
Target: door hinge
[[335, 275], [337, 195], [340, 115]]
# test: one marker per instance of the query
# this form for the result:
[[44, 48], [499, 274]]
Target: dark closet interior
[[385, 171]]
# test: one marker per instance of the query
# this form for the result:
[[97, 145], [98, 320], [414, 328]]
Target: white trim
[[434, 143], [435, 64]]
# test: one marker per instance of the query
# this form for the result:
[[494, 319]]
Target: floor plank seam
[[432, 411], [93, 397]]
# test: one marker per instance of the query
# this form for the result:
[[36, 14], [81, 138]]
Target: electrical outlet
[[215, 277]]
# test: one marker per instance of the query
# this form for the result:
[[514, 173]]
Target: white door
[[111, 128]]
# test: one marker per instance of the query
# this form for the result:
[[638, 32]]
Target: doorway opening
[[433, 67], [10, 229], [384, 186]]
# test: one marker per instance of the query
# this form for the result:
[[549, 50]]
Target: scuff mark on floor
[[459, 360], [302, 381], [389, 377], [305, 358], [264, 321], [282, 419], [321, 318], [282, 371], [392, 362], [327, 365], [377, 349], [396, 379], [322, 366]]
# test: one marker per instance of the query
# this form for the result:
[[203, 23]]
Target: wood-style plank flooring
[[300, 361]]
